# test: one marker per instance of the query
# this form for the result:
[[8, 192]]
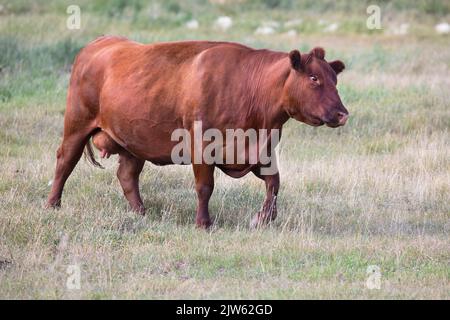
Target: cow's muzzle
[[339, 120]]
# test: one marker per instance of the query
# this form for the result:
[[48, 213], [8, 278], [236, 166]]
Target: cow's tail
[[89, 154]]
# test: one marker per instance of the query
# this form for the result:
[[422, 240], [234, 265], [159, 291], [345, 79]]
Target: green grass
[[375, 192]]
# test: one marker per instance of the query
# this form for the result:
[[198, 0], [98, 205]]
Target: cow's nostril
[[342, 116]]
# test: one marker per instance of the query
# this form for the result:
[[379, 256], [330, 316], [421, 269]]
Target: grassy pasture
[[375, 192]]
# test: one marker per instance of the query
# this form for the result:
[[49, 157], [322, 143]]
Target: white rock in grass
[[402, 29], [291, 33], [272, 24], [192, 24], [331, 28], [267, 27], [154, 11], [264, 30], [223, 23], [293, 23], [442, 28]]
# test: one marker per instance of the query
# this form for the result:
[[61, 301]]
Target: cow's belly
[[153, 143], [144, 139], [237, 171]]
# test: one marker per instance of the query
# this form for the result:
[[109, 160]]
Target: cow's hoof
[[259, 220], [256, 222], [140, 210], [53, 204], [204, 224]]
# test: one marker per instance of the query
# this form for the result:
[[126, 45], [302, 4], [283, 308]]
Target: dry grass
[[375, 192]]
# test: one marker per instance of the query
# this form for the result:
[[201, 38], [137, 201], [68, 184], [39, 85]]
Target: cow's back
[[112, 58]]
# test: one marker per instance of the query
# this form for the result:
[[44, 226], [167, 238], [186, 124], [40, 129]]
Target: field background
[[375, 192]]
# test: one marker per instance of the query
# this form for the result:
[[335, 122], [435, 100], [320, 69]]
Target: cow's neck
[[265, 90]]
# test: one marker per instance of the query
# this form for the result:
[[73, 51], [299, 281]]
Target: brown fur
[[130, 97]]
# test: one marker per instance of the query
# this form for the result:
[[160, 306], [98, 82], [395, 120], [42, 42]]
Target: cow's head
[[310, 93]]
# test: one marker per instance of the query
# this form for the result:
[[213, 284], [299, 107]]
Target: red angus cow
[[130, 97]]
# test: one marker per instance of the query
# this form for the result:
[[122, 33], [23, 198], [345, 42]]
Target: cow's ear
[[337, 66], [296, 59], [318, 52]]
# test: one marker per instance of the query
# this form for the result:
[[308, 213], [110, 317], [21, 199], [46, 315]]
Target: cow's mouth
[[316, 122], [337, 123], [333, 124], [338, 120]]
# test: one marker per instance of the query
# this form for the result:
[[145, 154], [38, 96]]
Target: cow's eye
[[313, 78]]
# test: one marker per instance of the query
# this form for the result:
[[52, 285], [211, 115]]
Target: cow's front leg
[[268, 211], [204, 186]]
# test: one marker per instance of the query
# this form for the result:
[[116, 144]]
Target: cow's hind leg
[[128, 173], [204, 185], [67, 155]]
